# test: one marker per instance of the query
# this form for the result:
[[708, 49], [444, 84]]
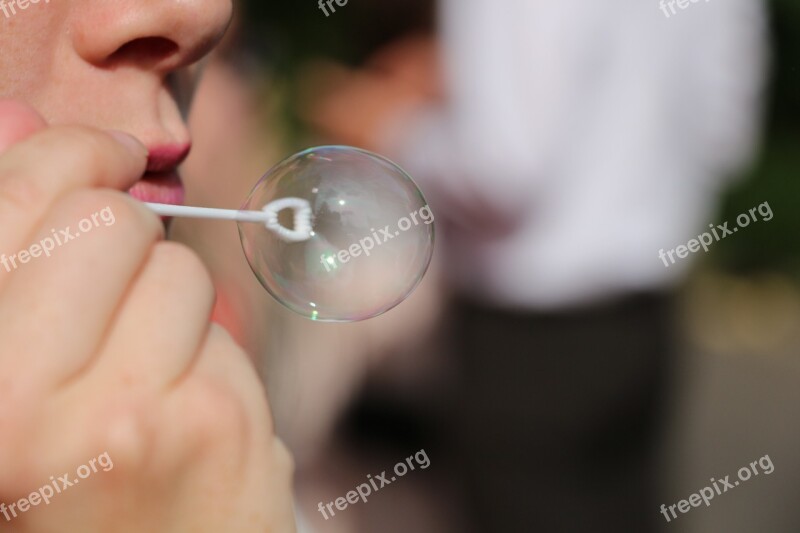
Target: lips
[[161, 182], [160, 188]]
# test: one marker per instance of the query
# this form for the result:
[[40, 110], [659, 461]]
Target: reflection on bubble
[[371, 237]]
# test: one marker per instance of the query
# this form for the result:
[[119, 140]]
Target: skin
[[108, 346]]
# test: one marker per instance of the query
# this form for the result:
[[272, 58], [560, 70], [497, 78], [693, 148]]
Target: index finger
[[36, 172]]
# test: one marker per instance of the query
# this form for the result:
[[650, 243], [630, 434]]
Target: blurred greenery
[[286, 35], [772, 246], [291, 33]]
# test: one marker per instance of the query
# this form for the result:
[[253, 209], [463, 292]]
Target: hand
[[106, 349]]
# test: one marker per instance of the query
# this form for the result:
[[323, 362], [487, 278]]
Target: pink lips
[[161, 182]]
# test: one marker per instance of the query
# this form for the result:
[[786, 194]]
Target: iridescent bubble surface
[[371, 237]]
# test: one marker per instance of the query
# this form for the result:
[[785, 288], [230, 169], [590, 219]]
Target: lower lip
[[159, 188]]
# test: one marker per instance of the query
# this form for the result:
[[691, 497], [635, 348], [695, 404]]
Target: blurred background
[[576, 403]]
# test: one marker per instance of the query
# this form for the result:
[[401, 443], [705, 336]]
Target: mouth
[[159, 188], [161, 182]]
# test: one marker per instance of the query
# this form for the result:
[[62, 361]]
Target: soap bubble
[[355, 234]]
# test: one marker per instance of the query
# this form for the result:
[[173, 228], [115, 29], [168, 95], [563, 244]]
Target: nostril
[[145, 52]]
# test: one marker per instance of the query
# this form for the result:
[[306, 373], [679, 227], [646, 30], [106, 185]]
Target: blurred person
[[567, 144], [108, 347]]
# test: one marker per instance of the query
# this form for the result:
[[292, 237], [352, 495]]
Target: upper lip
[[166, 157]]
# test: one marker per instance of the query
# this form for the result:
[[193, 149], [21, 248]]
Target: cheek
[[31, 41]]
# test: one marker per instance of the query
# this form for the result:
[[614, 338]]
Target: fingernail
[[128, 141]]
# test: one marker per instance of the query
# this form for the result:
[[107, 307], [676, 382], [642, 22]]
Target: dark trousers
[[557, 416]]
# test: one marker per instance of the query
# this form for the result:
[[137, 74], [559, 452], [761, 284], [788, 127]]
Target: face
[[127, 65]]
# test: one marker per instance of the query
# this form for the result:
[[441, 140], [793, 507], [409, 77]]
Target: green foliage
[[774, 245]]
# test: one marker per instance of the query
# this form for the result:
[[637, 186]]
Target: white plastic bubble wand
[[268, 215], [311, 205]]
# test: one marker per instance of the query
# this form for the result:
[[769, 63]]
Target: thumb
[[18, 121]]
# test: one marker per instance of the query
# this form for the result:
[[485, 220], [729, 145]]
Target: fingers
[[52, 162], [18, 121], [281, 502], [229, 399], [223, 360], [163, 323], [55, 310]]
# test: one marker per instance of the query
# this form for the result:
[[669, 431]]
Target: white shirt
[[604, 131]]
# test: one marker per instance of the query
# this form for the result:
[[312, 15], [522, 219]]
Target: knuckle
[[214, 414], [19, 193], [217, 410], [129, 432]]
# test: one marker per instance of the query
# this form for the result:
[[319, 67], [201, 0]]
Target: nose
[[161, 35]]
